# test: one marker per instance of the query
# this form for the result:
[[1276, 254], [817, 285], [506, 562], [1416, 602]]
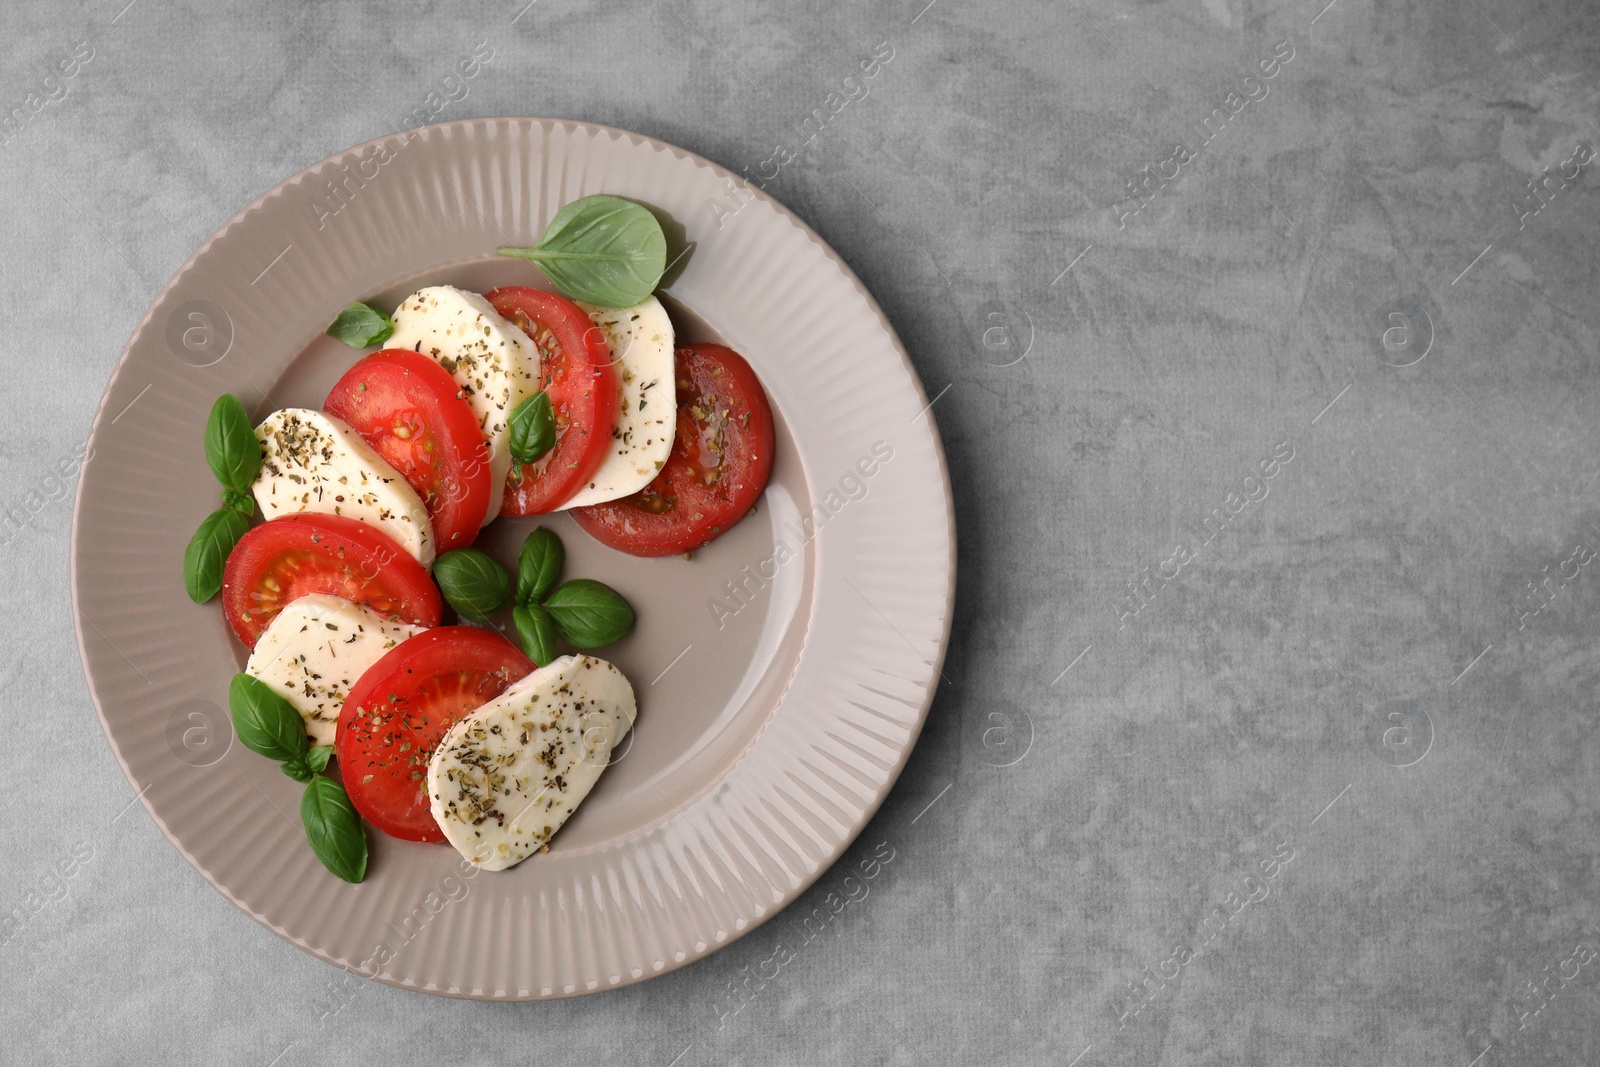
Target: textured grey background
[[1341, 719]]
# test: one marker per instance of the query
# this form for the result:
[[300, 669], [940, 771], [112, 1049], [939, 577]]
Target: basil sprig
[[533, 430], [268, 724], [583, 612], [601, 250], [361, 326], [234, 456], [315, 760], [243, 503]]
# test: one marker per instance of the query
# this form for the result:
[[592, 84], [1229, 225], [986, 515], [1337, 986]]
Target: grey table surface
[[1262, 336]]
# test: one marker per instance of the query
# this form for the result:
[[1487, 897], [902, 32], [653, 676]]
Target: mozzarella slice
[[509, 775], [312, 461], [314, 651], [641, 349], [493, 362]]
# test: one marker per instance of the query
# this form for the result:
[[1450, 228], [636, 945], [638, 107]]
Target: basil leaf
[[334, 829], [538, 566], [361, 325], [474, 584], [206, 557], [589, 614], [538, 632], [533, 429], [265, 721], [231, 446], [301, 768], [601, 250], [243, 503]]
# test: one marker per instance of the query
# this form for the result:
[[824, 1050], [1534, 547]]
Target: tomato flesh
[[720, 462], [414, 415], [399, 710], [575, 371], [297, 555]]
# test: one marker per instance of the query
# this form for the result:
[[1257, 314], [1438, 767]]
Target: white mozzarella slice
[[509, 775], [316, 649], [641, 340], [493, 362], [312, 461]]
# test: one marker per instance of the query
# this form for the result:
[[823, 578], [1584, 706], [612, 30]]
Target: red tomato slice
[[413, 414], [719, 465], [399, 710], [292, 557], [575, 370]]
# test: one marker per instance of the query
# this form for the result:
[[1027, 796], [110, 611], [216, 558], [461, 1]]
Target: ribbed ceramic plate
[[783, 673]]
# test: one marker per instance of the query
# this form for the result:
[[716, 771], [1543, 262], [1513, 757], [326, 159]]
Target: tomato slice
[[398, 711], [413, 414], [575, 370], [291, 557], [720, 462]]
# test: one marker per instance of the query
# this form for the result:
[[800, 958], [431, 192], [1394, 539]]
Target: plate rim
[[845, 840]]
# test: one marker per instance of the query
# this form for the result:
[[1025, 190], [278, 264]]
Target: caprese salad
[[516, 402]]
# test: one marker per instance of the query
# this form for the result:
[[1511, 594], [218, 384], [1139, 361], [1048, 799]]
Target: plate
[[783, 673]]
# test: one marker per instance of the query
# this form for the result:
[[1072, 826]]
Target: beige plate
[[783, 674]]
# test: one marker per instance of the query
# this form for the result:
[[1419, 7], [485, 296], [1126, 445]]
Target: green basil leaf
[[533, 428], [317, 759], [538, 566], [589, 614], [538, 632], [334, 829], [265, 721], [243, 503], [206, 557], [474, 584], [231, 446], [361, 326], [601, 250], [298, 768]]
